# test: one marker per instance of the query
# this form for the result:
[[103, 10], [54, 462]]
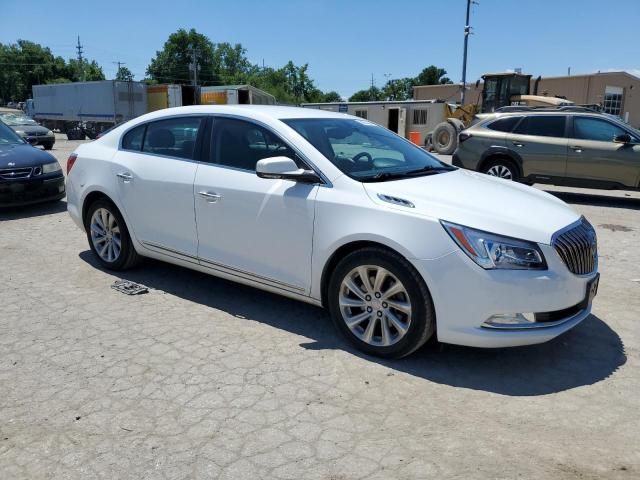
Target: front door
[[155, 173], [541, 143], [595, 157], [254, 228]]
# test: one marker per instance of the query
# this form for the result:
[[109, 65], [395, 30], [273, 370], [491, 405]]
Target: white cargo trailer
[[87, 108]]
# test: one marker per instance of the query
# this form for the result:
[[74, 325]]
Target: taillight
[[462, 136], [70, 161]]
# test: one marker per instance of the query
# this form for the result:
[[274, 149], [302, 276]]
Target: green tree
[[230, 63], [88, 71], [432, 75], [124, 75], [332, 97], [368, 95], [172, 64], [398, 89]]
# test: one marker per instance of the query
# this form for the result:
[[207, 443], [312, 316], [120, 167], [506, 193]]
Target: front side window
[[542, 126], [240, 144], [587, 128], [366, 151], [174, 137]]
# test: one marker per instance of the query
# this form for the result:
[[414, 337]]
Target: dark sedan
[[29, 129], [27, 174]]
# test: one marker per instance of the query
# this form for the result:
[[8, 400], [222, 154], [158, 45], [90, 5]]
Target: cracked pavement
[[203, 378]]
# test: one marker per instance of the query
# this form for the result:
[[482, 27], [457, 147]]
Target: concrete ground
[[203, 378]]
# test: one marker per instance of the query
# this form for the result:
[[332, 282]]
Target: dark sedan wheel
[[380, 303], [48, 146], [109, 237]]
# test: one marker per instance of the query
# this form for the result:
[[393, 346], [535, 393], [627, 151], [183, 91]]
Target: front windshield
[[366, 151], [14, 120], [8, 136]]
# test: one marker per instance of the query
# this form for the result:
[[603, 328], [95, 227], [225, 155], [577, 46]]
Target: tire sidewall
[[125, 239], [422, 319]]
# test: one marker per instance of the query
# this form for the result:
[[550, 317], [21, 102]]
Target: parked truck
[[86, 108]]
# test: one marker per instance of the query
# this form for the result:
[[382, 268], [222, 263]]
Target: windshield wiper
[[427, 170]]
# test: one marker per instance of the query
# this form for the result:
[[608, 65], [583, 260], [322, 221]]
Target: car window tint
[[504, 124], [542, 126], [132, 140], [175, 137], [240, 144], [595, 129]]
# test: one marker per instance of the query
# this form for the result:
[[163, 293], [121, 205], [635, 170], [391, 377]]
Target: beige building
[[617, 92]]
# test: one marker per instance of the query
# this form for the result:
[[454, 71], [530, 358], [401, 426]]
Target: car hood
[[480, 201], [23, 156]]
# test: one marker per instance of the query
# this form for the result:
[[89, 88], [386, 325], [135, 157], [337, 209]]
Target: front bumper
[[465, 296], [40, 139], [28, 191]]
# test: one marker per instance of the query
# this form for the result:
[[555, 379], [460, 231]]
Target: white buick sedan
[[339, 212]]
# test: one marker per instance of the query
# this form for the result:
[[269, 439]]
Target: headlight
[[49, 133], [51, 167], [20, 132], [492, 251]]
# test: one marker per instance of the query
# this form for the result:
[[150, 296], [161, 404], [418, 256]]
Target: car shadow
[[585, 355], [34, 210], [597, 200]]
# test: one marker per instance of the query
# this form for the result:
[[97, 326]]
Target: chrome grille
[[15, 173], [577, 247]]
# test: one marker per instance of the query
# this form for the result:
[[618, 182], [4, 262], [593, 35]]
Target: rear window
[[542, 126], [504, 124]]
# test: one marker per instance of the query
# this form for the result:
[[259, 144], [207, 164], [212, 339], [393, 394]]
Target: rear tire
[[502, 168], [109, 237], [380, 303], [47, 146], [445, 138]]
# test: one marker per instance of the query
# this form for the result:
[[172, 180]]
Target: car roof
[[278, 112]]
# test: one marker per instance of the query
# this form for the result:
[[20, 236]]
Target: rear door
[[595, 158], [541, 143], [156, 169]]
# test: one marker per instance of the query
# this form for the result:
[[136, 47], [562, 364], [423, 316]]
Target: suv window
[[588, 128], [505, 124], [174, 137], [240, 144], [542, 126], [132, 140]]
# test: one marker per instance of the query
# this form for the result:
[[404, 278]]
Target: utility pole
[[119, 66], [467, 32], [80, 59], [194, 65]]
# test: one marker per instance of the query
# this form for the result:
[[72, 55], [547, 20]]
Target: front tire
[[47, 146], [109, 237], [380, 303], [445, 138]]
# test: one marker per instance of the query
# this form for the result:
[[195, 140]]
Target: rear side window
[[174, 137], [542, 126], [595, 129], [505, 124], [133, 139]]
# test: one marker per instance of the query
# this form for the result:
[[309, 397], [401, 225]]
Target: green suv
[[580, 148]]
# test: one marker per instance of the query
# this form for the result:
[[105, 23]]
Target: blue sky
[[345, 41]]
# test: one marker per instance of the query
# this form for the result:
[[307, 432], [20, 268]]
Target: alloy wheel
[[501, 171], [375, 305], [105, 235]]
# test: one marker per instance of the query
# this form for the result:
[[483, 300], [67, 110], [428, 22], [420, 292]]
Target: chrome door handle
[[518, 144], [125, 176], [576, 148], [211, 197]]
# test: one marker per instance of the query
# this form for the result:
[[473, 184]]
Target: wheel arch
[[341, 252], [495, 152]]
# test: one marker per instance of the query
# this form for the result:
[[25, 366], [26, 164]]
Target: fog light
[[510, 320]]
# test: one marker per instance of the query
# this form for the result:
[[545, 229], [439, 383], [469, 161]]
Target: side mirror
[[284, 168], [624, 138]]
